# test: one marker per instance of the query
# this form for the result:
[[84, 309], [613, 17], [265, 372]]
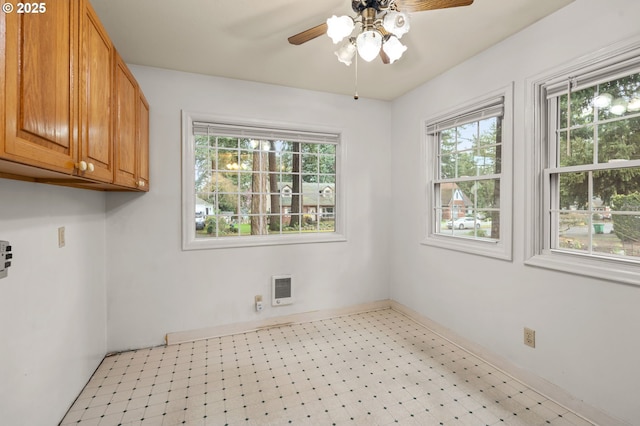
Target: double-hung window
[[589, 152], [249, 184], [468, 164]]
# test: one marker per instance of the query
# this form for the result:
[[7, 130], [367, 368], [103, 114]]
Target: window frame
[[606, 64], [189, 240], [498, 249]]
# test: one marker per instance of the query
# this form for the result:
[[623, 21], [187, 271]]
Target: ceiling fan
[[381, 24]]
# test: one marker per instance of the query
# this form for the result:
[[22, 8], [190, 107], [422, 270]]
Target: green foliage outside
[[224, 167], [598, 136], [627, 228]]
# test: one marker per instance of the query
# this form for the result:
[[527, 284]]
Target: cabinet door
[[40, 87], [125, 140], [95, 101], [143, 142]]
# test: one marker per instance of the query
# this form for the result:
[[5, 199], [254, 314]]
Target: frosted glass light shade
[[346, 53], [397, 23], [339, 27], [369, 44], [393, 48]]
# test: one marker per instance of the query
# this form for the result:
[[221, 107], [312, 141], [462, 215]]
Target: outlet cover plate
[[529, 337]]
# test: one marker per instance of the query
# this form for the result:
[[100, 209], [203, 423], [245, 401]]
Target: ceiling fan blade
[[384, 57], [420, 5], [309, 34]]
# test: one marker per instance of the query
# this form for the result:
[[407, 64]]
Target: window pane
[[488, 131], [467, 137], [619, 140], [579, 150], [448, 166], [582, 110], [246, 187], [622, 97], [224, 142], [310, 164], [448, 141], [488, 160], [624, 236], [574, 191], [487, 194], [227, 159], [467, 164], [616, 183], [573, 229], [327, 164]]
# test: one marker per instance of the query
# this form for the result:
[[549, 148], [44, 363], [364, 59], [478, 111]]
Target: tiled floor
[[374, 368]]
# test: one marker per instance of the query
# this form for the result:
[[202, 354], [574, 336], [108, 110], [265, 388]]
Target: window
[[259, 185], [588, 138], [468, 153]]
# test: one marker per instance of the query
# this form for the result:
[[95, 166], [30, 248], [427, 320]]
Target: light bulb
[[346, 53], [397, 23], [393, 48], [338, 27], [369, 44]]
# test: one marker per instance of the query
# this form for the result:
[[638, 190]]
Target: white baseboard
[[228, 329], [540, 385]]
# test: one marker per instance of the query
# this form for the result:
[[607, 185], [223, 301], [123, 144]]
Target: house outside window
[[588, 134], [468, 167], [260, 185]]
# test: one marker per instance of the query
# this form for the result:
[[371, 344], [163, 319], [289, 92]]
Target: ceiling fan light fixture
[[396, 23], [393, 48], [339, 27], [369, 44], [346, 53]]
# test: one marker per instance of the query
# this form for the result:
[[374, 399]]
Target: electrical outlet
[[258, 300], [529, 337], [61, 239]]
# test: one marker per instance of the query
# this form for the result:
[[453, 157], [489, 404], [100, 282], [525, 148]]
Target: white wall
[[53, 303], [154, 287], [587, 330]]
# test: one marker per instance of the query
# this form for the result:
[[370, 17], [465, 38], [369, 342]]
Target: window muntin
[[263, 187], [467, 163], [259, 185], [467, 187], [594, 169]]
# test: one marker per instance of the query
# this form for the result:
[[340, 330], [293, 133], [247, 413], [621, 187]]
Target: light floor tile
[[373, 368]]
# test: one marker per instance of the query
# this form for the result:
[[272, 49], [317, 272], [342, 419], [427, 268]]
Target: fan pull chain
[[355, 96]]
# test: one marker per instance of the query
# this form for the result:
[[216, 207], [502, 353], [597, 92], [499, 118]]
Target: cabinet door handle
[[82, 166], [141, 184], [90, 167]]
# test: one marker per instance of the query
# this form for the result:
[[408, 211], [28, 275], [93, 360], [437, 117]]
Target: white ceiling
[[247, 40]]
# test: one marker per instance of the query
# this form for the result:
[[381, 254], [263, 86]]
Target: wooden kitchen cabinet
[[96, 98], [143, 142], [40, 92], [131, 128], [125, 142], [69, 107]]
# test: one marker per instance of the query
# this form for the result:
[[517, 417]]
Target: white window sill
[[488, 248], [606, 269], [258, 241]]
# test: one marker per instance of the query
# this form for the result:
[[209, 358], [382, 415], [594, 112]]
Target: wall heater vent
[[281, 290]]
